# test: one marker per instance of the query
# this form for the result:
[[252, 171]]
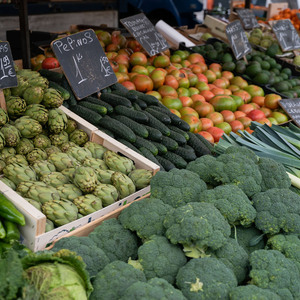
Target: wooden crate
[[216, 26]]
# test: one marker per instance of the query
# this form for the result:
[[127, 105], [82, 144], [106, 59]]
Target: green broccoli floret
[[243, 150], [205, 278], [249, 238], [232, 202], [277, 210], [252, 292], [273, 174], [94, 257], [154, 289], [234, 257], [197, 226], [176, 187], [270, 269], [117, 242], [157, 257], [289, 245], [111, 282], [145, 217]]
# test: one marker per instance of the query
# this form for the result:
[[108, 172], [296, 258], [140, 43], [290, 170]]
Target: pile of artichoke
[[51, 163]]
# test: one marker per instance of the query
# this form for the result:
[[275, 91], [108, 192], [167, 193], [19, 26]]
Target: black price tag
[[145, 33], [8, 76], [286, 34], [292, 108], [247, 18], [84, 63], [238, 40]]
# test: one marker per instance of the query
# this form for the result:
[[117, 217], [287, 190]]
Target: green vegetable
[[166, 164], [199, 146], [169, 143], [65, 94], [141, 142], [9, 212], [186, 152], [2, 231], [50, 75], [97, 101], [12, 231], [135, 115], [176, 159], [153, 122], [115, 100], [252, 292], [87, 114], [95, 107], [159, 115], [149, 99], [154, 134]]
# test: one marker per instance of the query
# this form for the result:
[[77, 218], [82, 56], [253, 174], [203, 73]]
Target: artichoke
[[43, 167], [60, 212], [11, 134], [39, 81], [54, 179], [33, 95], [71, 126], [85, 178], [117, 162], [34, 203], [79, 137], [15, 106], [24, 186], [87, 204], [104, 176], [37, 112], [6, 152], [107, 193], [22, 86], [41, 141], [24, 146], [69, 172], [97, 150], [3, 117], [2, 165], [9, 183], [57, 120], [62, 161], [52, 98], [79, 153], [6, 93], [52, 149], [18, 158], [28, 127], [59, 139], [18, 173], [2, 141], [123, 184], [28, 73], [49, 225], [42, 194], [65, 146], [95, 163], [68, 191], [35, 155], [140, 177]]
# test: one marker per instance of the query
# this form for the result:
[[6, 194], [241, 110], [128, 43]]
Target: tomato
[[50, 63]]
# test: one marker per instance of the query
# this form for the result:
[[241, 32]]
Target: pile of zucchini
[[139, 121]]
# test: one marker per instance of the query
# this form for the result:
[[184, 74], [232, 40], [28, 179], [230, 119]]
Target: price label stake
[[145, 33], [84, 63], [292, 108], [247, 18]]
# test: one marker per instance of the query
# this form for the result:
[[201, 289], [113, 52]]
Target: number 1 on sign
[[78, 73]]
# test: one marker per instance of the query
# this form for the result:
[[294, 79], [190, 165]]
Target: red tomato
[[50, 63]]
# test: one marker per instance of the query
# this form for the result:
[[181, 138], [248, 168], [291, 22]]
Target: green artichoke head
[[28, 127], [87, 204], [85, 178], [123, 184], [119, 163]]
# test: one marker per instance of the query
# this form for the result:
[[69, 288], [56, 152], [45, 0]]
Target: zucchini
[[108, 132], [171, 144], [207, 143], [162, 149], [187, 154], [97, 101], [138, 116], [167, 165], [137, 128], [149, 99], [177, 160], [65, 94], [153, 122], [140, 142], [145, 152], [178, 130], [118, 87], [159, 116], [95, 107], [115, 100], [87, 114], [179, 138], [65, 84], [129, 145], [154, 134], [53, 76], [199, 147], [118, 128]]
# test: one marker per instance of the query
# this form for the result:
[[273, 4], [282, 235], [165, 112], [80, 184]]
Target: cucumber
[[138, 116], [65, 84], [153, 122], [178, 130], [141, 103], [154, 134], [136, 106], [199, 147], [97, 101], [87, 114], [108, 132], [159, 116], [137, 128], [151, 157], [95, 107], [118, 128], [119, 87], [162, 149], [171, 144], [177, 160], [66, 104], [129, 145], [149, 99], [65, 94], [187, 154], [140, 142], [115, 100], [53, 76], [207, 143], [167, 165], [106, 90], [179, 138]]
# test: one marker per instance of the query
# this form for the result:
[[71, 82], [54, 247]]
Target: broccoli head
[[277, 210], [111, 282], [243, 150], [157, 257], [176, 187], [205, 278], [117, 242], [232, 202], [273, 174], [252, 292], [270, 269], [94, 257], [197, 226], [145, 217], [154, 289]]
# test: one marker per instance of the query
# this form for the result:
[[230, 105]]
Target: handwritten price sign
[[8, 77]]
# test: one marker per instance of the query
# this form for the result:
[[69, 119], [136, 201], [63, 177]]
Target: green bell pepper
[[9, 212]]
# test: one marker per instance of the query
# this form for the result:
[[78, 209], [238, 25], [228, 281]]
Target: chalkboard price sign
[[292, 108], [84, 63], [286, 34], [247, 18], [238, 39], [8, 77], [145, 33]]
